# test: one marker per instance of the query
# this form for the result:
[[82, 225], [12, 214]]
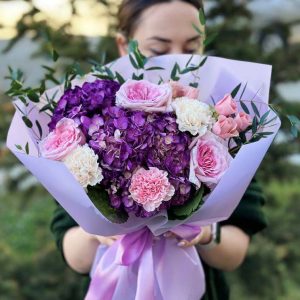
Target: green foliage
[[184, 211], [100, 199]]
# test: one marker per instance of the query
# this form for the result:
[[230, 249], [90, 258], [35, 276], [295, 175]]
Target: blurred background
[[266, 31]]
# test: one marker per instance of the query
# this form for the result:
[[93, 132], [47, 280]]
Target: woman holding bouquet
[[165, 27]]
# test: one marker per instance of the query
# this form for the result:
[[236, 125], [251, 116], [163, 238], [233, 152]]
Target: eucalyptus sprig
[[139, 61], [25, 149], [259, 122], [207, 39], [189, 68]]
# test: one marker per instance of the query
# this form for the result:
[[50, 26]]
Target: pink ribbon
[[142, 267]]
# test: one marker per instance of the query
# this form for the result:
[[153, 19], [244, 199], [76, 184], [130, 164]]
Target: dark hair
[[130, 12]]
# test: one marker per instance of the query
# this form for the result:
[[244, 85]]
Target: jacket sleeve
[[249, 215]]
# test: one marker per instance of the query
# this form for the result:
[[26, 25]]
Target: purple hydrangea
[[125, 140], [85, 101]]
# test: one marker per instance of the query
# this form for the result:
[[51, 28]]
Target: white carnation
[[83, 164], [193, 116]]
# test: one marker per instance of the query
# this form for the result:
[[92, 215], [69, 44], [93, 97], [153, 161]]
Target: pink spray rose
[[225, 127], [150, 188], [144, 95], [209, 161], [226, 106], [242, 120], [62, 140], [179, 90]]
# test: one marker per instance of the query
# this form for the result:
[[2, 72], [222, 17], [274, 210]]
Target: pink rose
[[242, 120], [62, 140], [179, 90], [144, 95], [226, 106], [225, 127], [150, 188], [209, 161]]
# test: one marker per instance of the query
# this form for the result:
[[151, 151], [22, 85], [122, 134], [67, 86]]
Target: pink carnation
[[144, 95], [179, 90], [226, 106], [225, 127], [150, 188], [243, 120], [209, 161], [62, 140]]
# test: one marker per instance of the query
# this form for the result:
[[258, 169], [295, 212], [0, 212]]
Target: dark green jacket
[[248, 216]]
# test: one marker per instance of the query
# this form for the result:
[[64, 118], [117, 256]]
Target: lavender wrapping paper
[[217, 77], [148, 276]]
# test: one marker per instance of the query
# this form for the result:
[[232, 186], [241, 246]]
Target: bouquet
[[145, 146]]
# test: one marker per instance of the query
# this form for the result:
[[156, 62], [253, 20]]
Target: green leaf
[[46, 107], [184, 211], [264, 117], [133, 62], [19, 147], [27, 122], [120, 78], [109, 73], [155, 68], [100, 199], [243, 136], [238, 141], [23, 99], [16, 85], [188, 62], [132, 46], [39, 127], [203, 61], [236, 90], [136, 77], [244, 89], [140, 60], [52, 78], [210, 39], [42, 87], [198, 30], [34, 97], [174, 71], [202, 17], [161, 80], [254, 125], [194, 85], [270, 121], [55, 55], [255, 109], [27, 148], [266, 133], [48, 69], [101, 76], [244, 107]]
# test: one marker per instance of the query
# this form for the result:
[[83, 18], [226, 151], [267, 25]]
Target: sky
[[91, 20]]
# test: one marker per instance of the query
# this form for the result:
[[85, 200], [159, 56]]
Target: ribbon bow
[[140, 266]]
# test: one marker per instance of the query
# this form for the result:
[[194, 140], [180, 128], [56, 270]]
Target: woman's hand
[[80, 247], [204, 237], [106, 240]]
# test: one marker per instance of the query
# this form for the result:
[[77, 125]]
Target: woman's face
[[166, 28]]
